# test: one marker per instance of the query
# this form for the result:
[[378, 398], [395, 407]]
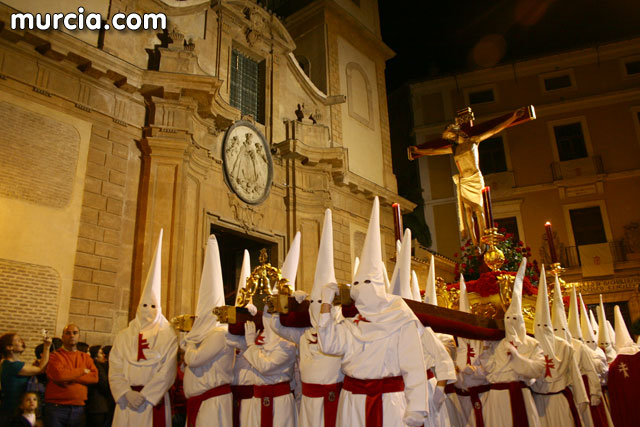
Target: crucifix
[[462, 140]]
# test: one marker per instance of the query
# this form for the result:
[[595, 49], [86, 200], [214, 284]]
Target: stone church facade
[[108, 137]]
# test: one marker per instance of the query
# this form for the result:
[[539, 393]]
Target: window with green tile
[[247, 85]]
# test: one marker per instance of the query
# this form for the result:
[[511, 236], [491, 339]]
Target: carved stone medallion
[[248, 167]]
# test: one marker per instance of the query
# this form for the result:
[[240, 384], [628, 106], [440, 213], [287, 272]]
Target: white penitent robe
[[209, 365], [396, 354], [274, 362], [561, 371], [156, 372], [315, 368], [470, 374], [588, 372], [245, 375], [501, 367], [438, 360]]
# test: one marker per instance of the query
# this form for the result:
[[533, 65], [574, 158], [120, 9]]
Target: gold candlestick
[[556, 270], [493, 257]]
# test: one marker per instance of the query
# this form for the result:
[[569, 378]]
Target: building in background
[[232, 121], [577, 165]]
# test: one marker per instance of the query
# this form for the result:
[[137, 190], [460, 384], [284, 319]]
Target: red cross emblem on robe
[[313, 341], [260, 339], [470, 353], [142, 345], [360, 318], [548, 365]]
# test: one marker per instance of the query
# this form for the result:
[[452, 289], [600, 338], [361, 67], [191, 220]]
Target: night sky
[[435, 38]]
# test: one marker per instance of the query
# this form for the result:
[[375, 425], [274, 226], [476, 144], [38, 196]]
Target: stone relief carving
[[246, 216], [247, 162]]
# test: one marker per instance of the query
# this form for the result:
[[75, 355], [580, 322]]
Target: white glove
[[299, 296], [252, 309], [439, 397], [595, 400], [250, 333], [413, 419], [329, 292], [135, 399]]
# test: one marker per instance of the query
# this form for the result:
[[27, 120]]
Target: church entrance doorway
[[232, 245]]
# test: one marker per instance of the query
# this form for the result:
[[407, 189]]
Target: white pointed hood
[[612, 333], [368, 288], [325, 272], [211, 294], [560, 325], [604, 339], [594, 325], [288, 271], [415, 287], [245, 273], [464, 297], [385, 277], [384, 313], [574, 316], [542, 325], [356, 264], [624, 343], [588, 336], [289, 268], [430, 296], [514, 328], [149, 314], [401, 278]]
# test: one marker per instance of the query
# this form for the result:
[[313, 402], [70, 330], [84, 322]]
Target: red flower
[[455, 255], [528, 248], [464, 266], [462, 248], [518, 250], [471, 270], [520, 243], [502, 230]]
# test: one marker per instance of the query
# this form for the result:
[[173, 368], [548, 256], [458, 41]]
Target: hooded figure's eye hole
[[153, 306], [367, 281], [144, 305], [319, 301], [356, 282]]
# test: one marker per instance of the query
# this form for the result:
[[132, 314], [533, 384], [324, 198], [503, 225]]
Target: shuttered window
[[247, 85]]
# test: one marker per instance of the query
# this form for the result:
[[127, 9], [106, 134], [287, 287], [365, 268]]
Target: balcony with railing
[[571, 256], [585, 166]]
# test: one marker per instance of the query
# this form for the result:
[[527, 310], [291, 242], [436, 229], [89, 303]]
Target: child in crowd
[[27, 408]]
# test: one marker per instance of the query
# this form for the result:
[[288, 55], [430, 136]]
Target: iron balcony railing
[[572, 254]]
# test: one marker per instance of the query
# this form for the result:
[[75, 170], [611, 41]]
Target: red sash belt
[[598, 414], [239, 392], [474, 394], [159, 419], [374, 390], [430, 374], [572, 405], [518, 409], [267, 393], [194, 402], [330, 393]]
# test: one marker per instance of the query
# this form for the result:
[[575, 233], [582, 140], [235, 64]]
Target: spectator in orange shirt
[[68, 373]]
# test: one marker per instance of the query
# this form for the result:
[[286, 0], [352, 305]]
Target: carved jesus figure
[[469, 181]]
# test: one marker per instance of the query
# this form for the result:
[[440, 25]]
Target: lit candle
[[552, 248], [397, 221], [486, 203]]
